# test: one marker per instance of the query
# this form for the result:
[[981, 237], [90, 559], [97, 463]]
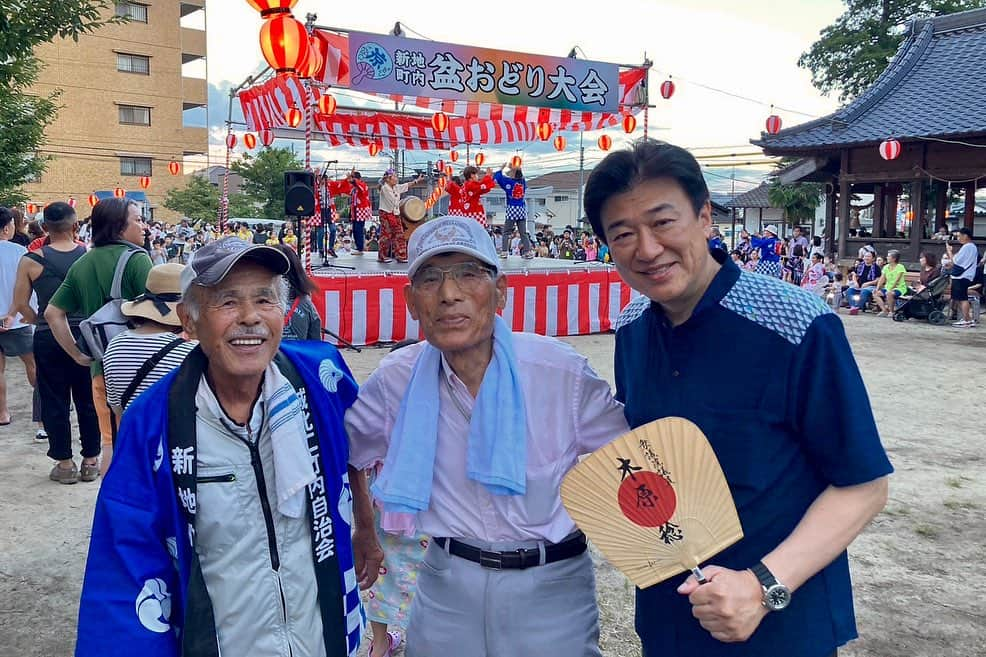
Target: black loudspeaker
[[299, 193]]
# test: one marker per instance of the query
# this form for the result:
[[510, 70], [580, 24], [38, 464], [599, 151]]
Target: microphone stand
[[345, 342]]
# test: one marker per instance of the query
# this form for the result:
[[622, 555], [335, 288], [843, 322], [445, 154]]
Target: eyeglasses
[[467, 275]]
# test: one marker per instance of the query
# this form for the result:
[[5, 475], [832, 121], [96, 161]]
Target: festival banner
[[412, 67]]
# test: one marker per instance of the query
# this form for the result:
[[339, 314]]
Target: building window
[[561, 199], [135, 115], [135, 166], [132, 10], [126, 63]]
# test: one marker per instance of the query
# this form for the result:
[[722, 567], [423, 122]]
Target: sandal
[[394, 638]]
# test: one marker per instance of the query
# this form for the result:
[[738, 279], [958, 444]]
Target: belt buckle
[[491, 560]]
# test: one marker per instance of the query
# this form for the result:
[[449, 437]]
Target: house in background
[[214, 175], [563, 200]]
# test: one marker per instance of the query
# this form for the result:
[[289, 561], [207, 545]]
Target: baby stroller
[[929, 303]]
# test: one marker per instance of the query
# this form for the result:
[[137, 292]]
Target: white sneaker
[[503, 256], [963, 324]]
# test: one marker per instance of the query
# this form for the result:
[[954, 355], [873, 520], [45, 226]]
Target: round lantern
[[515, 162], [144, 181], [605, 142], [629, 123], [294, 117], [268, 8], [174, 168], [667, 89], [284, 44], [266, 137], [327, 104], [313, 64], [373, 149], [93, 200], [480, 158], [454, 156], [231, 141], [448, 169], [773, 124], [544, 131], [439, 121], [440, 165], [890, 149], [119, 192], [560, 143], [250, 140], [71, 202]]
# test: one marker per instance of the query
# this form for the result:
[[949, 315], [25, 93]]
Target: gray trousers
[[508, 233], [462, 609]]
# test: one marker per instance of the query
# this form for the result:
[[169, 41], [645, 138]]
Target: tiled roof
[[755, 198], [562, 181], [935, 86]]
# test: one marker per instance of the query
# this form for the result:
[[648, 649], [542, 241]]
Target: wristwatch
[[776, 596]]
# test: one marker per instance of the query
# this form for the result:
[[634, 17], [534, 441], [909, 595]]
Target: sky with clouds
[[748, 51]]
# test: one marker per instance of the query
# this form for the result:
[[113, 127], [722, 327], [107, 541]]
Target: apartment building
[[128, 95]]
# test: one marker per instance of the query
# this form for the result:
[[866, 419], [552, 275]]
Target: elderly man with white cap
[[475, 428], [224, 525]]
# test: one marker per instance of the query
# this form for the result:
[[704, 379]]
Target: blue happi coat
[[142, 588]]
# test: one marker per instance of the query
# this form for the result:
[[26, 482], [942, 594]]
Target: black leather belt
[[516, 559]]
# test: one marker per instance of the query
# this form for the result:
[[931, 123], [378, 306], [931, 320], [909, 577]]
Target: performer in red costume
[[360, 210], [472, 192], [454, 190]]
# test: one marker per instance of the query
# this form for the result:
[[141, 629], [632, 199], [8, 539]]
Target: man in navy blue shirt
[[792, 429]]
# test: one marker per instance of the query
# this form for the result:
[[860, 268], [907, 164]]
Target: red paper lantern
[[266, 137], [374, 148], [480, 158], [93, 200], [560, 143], [440, 165], [605, 142], [890, 149], [268, 8], [515, 162], [174, 168], [454, 156], [327, 104], [773, 124], [448, 169], [144, 181], [284, 44], [667, 89], [313, 64], [250, 140], [439, 121], [71, 202], [294, 117], [629, 123], [231, 141], [31, 208], [544, 131], [119, 192]]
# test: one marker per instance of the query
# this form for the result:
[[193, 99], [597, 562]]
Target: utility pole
[[578, 210]]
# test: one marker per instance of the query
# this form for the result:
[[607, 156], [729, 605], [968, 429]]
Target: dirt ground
[[919, 569]]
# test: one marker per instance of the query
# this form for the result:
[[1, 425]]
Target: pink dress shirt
[[570, 412]]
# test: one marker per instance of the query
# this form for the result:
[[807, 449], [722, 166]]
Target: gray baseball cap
[[451, 235], [210, 264]]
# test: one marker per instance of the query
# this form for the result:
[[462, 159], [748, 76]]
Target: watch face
[[777, 597]]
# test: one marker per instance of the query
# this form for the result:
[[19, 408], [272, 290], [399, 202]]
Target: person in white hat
[[770, 258], [475, 427]]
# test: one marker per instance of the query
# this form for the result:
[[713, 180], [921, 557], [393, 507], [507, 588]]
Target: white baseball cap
[[451, 235], [771, 229]]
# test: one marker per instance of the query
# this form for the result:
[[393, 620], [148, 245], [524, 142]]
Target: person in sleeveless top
[[61, 381]]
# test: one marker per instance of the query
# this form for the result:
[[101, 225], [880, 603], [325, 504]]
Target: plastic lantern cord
[[645, 121]]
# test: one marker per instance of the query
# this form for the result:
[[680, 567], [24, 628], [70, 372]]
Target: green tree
[[198, 200], [798, 200], [854, 50], [263, 179], [24, 116]]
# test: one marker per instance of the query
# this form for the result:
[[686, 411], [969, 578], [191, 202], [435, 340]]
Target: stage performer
[[455, 196], [506, 572], [330, 189], [806, 476], [360, 210], [514, 186], [393, 245], [473, 191], [226, 530]]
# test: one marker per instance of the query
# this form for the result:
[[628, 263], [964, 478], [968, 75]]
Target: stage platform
[[362, 299]]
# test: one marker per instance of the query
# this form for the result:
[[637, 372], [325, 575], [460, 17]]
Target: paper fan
[[654, 501]]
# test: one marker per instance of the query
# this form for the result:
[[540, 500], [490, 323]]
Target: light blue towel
[[497, 450]]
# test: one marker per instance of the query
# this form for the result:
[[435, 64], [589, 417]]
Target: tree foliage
[[263, 180], [854, 50], [798, 201], [198, 200], [24, 115]]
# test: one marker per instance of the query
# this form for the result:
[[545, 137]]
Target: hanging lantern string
[[947, 180], [224, 199], [740, 96]]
